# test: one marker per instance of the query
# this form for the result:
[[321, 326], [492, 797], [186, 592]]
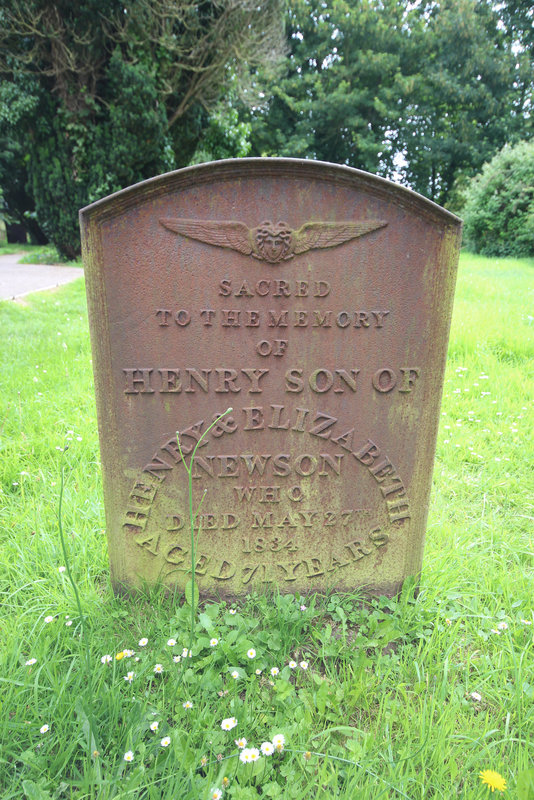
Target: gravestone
[[315, 301]]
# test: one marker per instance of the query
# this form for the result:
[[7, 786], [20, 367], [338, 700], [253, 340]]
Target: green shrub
[[499, 208]]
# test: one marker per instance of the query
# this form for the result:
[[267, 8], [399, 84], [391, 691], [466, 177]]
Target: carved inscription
[[272, 318], [177, 558], [222, 380], [368, 454], [229, 521]]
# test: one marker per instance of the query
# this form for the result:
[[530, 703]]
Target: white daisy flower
[[241, 743], [165, 742], [44, 729], [251, 653], [143, 642], [128, 756], [267, 748], [154, 725], [228, 724], [214, 642], [171, 642], [279, 742]]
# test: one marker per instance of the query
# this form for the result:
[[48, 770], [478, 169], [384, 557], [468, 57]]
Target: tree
[[16, 205], [518, 19], [115, 92], [499, 208], [423, 92], [466, 102], [337, 99]]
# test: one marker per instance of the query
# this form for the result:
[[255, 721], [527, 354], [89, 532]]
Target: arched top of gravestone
[[292, 169]]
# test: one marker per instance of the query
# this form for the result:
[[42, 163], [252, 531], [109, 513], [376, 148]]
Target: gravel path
[[17, 280]]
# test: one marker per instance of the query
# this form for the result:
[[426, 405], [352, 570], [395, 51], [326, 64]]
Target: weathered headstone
[[313, 299]]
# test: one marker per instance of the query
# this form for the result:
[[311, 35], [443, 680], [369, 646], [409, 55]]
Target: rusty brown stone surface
[[313, 299]]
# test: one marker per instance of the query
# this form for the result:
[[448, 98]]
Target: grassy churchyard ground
[[407, 698], [34, 254]]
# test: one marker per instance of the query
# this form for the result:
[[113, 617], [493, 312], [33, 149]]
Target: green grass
[[9, 249], [385, 706], [35, 254]]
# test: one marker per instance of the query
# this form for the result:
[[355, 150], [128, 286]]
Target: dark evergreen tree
[[109, 92]]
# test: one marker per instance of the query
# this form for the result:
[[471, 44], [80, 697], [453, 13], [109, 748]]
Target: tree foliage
[[111, 92], [337, 97], [424, 92], [99, 94], [499, 208], [460, 107]]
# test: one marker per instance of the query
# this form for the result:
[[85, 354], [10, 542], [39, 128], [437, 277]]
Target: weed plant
[[412, 697]]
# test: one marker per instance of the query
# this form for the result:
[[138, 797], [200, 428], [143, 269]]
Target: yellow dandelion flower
[[120, 656], [493, 779]]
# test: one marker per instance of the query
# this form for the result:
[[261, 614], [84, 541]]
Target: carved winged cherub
[[269, 242]]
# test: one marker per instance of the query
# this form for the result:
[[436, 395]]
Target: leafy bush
[[499, 208]]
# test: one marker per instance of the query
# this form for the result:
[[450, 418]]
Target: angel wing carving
[[235, 235], [270, 242], [330, 234]]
